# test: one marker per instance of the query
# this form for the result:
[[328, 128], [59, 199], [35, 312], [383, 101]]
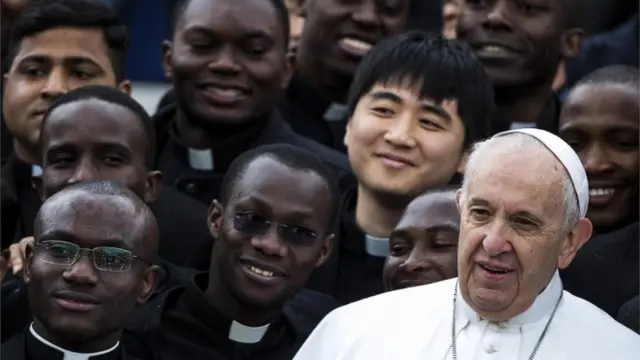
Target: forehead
[[431, 210], [517, 176], [280, 186], [238, 14], [66, 42], [601, 105], [93, 120], [91, 219]]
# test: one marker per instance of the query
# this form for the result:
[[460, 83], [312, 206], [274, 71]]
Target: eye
[[61, 160], [524, 223], [113, 160], [383, 111], [34, 72], [398, 249], [430, 125], [81, 74], [479, 213], [529, 8]]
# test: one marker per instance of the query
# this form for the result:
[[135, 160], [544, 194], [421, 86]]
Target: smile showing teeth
[[261, 272], [355, 46], [224, 91], [601, 192], [493, 270]]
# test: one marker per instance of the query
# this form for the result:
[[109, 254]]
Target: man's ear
[[571, 43], [288, 70], [167, 54], [125, 87], [459, 204], [347, 134], [152, 186], [577, 237], [26, 272], [325, 250], [214, 218], [149, 283], [36, 181]]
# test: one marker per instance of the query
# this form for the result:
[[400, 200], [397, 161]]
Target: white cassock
[[416, 323]]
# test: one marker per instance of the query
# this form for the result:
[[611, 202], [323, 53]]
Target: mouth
[[395, 162], [602, 195], [354, 46], [494, 51], [409, 283], [78, 302], [223, 95], [262, 271], [495, 271]]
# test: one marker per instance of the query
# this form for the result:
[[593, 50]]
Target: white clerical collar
[[542, 306], [70, 355], [36, 170], [201, 159], [246, 334], [376, 246]]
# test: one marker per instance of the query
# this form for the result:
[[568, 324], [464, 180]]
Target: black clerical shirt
[[351, 273], [25, 346], [548, 119], [181, 323]]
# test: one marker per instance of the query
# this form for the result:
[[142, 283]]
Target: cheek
[[365, 130], [470, 241], [17, 98]]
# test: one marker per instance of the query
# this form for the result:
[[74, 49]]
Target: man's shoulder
[[426, 298], [307, 308]]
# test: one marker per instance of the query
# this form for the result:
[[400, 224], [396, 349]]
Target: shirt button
[[191, 188]]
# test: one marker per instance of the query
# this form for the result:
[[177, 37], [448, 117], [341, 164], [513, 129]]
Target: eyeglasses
[[254, 224], [105, 258]]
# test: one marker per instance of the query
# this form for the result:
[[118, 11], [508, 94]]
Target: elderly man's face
[[512, 236]]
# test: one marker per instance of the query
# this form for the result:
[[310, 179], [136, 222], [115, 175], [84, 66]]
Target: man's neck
[[83, 346], [376, 217], [25, 155], [197, 136], [330, 87], [218, 294], [523, 106]]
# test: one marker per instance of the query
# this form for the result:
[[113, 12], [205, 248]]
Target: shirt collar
[[201, 308], [42, 348], [542, 306]]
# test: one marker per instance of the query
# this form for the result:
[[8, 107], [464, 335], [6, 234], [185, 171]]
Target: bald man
[[520, 221], [89, 267]]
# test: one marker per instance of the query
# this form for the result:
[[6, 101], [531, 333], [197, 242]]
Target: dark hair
[[615, 74], [442, 69], [113, 96], [279, 5], [290, 156], [43, 15]]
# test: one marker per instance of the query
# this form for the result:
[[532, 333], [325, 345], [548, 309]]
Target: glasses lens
[[251, 223], [59, 252], [298, 235], [112, 259]]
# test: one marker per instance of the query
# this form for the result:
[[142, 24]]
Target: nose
[[366, 15], [55, 86], [495, 242], [400, 134], [269, 244], [417, 261], [497, 18], [83, 171], [595, 160], [225, 62], [82, 272]]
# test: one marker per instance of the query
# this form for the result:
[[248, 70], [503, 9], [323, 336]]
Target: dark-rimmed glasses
[[254, 224], [105, 258]]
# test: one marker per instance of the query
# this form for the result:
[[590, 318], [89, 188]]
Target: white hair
[[569, 196]]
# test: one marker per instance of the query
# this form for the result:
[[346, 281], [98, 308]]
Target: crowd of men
[[369, 190]]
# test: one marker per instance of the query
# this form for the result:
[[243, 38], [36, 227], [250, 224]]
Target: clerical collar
[[52, 352], [201, 159], [542, 306], [376, 246], [36, 170], [352, 236], [204, 311]]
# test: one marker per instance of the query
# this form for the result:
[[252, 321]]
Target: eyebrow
[[446, 226], [428, 108], [478, 201], [248, 33], [72, 60], [263, 205]]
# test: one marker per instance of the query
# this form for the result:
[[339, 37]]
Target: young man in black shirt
[[521, 45], [417, 104], [89, 266], [228, 63], [54, 46], [273, 226]]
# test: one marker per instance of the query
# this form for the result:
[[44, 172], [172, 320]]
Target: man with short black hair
[[521, 45], [89, 266], [416, 105], [55, 46], [273, 225], [228, 63]]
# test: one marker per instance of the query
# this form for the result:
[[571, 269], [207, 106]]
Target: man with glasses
[[273, 226], [89, 267]]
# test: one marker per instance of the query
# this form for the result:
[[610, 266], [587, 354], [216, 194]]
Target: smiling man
[[88, 268], [521, 43], [417, 104], [423, 246], [521, 221], [228, 63], [273, 226]]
